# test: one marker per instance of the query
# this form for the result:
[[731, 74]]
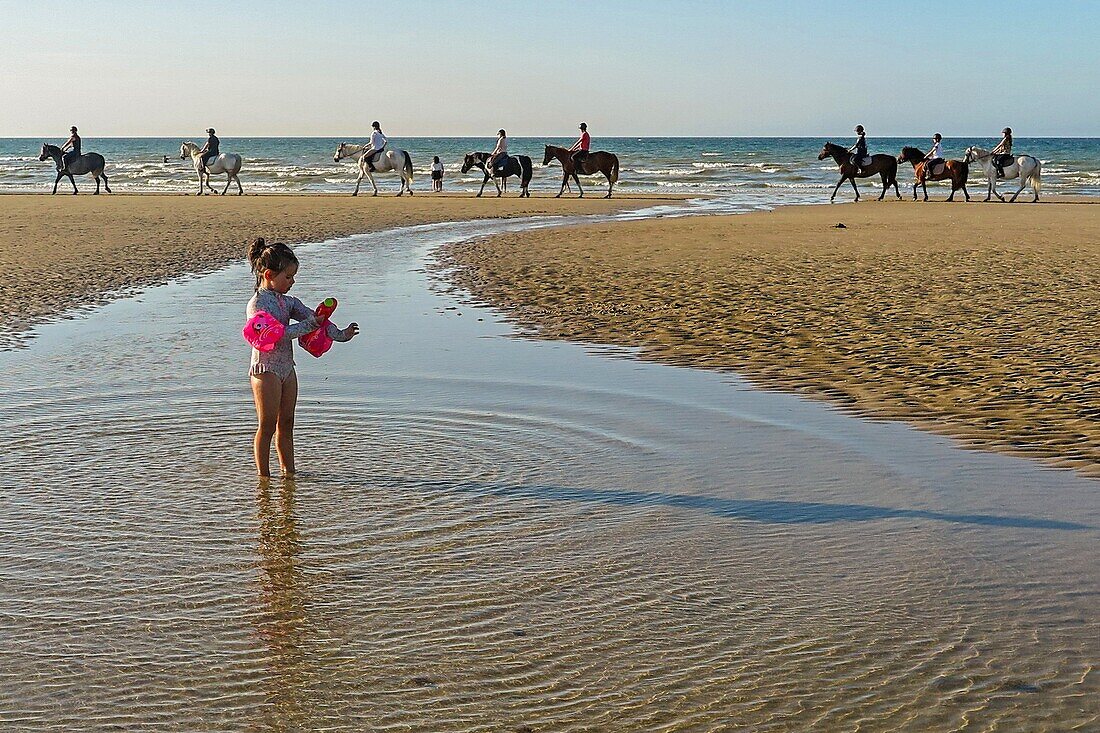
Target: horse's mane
[[908, 151]]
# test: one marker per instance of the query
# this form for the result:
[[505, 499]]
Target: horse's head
[[549, 155], [826, 151], [45, 152], [469, 162], [970, 155], [185, 150], [909, 154], [343, 150]]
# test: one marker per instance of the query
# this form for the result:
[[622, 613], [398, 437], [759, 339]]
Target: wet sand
[[57, 252], [976, 321]]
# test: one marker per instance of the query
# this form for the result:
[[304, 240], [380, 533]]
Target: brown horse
[[599, 161], [954, 170], [885, 166]]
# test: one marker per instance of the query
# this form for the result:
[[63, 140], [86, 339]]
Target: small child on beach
[[437, 175], [274, 382]]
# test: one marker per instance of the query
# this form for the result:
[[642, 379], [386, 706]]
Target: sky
[[537, 67]]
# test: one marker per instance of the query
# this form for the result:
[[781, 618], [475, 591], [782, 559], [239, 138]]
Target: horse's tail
[[1037, 177], [526, 169], [614, 168], [408, 165]]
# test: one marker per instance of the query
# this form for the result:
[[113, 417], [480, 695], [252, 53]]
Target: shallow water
[[492, 534]]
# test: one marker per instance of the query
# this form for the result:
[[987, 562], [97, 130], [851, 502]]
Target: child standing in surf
[[274, 381]]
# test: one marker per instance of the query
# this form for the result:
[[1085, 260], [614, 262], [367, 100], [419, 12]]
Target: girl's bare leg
[[267, 391], [284, 432]]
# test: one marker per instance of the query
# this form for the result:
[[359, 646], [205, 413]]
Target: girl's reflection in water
[[282, 622]]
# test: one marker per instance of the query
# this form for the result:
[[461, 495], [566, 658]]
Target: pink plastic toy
[[263, 331], [317, 342]]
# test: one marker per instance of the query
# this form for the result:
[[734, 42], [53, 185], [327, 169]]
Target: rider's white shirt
[[377, 139], [502, 146], [936, 151]]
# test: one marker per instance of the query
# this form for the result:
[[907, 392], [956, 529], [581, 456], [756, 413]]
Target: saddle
[[502, 162], [1002, 160], [937, 169]]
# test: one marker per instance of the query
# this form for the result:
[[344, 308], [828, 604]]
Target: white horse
[[392, 159], [228, 163], [1027, 168]]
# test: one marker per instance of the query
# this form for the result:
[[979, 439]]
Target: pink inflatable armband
[[263, 331], [317, 341]]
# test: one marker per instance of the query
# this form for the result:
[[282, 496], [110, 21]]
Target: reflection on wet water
[[494, 534]]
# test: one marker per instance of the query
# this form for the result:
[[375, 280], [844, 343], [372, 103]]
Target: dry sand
[[62, 251], [976, 320]]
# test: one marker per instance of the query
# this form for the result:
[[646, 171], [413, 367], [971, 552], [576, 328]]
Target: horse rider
[[74, 143], [500, 152], [934, 157], [377, 144], [1002, 154], [209, 151], [859, 150], [581, 147]]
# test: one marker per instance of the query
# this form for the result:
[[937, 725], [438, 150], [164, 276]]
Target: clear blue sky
[[328, 67]]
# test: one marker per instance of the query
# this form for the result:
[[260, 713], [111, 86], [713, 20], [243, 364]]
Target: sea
[[748, 170]]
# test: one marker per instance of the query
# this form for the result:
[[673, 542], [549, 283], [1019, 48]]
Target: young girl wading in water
[[274, 382]]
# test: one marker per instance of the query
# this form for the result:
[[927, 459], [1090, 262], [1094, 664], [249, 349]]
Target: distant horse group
[[1025, 167]]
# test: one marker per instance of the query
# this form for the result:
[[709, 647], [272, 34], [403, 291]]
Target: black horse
[[87, 164], [515, 165], [884, 166]]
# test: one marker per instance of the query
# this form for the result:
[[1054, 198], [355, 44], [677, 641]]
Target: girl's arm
[[341, 334], [307, 319]]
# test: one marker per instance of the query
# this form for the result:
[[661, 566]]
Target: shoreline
[[971, 322], [79, 251]]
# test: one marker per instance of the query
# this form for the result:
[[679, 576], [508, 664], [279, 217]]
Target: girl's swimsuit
[[280, 360]]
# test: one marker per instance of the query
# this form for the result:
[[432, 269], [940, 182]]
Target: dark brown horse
[[885, 166], [955, 171], [599, 161]]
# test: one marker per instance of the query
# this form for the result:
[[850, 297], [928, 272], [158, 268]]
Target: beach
[[68, 251], [975, 321]]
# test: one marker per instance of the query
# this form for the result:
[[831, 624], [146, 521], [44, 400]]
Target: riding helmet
[[376, 125], [1006, 131], [210, 130], [859, 128], [502, 132], [584, 126], [937, 136], [72, 129]]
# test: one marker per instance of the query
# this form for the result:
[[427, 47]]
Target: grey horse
[[89, 163]]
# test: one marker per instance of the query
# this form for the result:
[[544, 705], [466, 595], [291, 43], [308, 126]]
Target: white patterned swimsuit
[[280, 360]]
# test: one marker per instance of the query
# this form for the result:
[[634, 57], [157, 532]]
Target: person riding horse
[[581, 147], [934, 156], [1002, 154], [377, 145], [500, 153], [210, 151], [73, 147], [859, 150]]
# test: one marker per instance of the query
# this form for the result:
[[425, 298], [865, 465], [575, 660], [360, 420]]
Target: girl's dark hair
[[275, 256]]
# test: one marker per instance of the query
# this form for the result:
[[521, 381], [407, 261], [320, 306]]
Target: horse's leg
[[96, 192], [609, 185], [105, 183], [564, 182], [1023, 182], [208, 183], [837, 187], [988, 188], [924, 187], [483, 182], [578, 182], [358, 181], [60, 175], [237, 178], [854, 187], [370, 177], [501, 189], [72, 181], [228, 180]]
